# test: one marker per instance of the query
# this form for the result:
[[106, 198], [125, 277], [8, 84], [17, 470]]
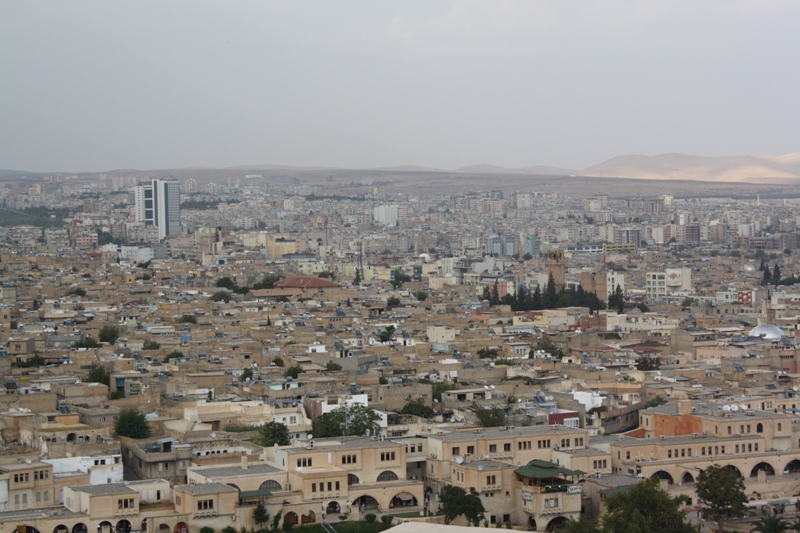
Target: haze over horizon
[[96, 86]]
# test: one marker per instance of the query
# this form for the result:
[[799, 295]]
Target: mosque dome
[[770, 333]]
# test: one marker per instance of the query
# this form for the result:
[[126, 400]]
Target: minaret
[[521, 274]]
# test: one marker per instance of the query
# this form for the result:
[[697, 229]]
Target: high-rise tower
[[158, 203]]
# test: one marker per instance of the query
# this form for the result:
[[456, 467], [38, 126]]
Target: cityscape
[[504, 265]]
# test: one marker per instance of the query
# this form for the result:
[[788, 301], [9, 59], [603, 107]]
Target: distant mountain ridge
[[736, 169]]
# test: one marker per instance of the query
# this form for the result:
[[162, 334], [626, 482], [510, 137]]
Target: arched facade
[[762, 467], [666, 476], [387, 475], [557, 523], [270, 485]]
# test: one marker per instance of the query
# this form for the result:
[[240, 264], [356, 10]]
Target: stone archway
[[333, 508], [61, 528], [290, 517], [387, 475], [403, 499], [368, 502], [163, 528], [531, 524], [792, 466], [270, 485], [123, 526], [308, 518], [105, 527], [733, 469], [762, 467], [181, 527], [352, 479], [666, 476], [80, 527], [557, 523], [234, 486], [687, 477]]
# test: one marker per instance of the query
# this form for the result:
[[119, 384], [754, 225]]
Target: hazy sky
[[160, 84]]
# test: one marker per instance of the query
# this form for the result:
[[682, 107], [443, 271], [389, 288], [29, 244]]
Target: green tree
[[643, 307], [98, 374], [387, 334], [645, 508], [722, 490], [206, 529], [771, 524], [174, 354], [688, 302], [293, 371], [548, 346], [393, 301], [457, 502], [132, 423], [272, 433], [108, 334], [357, 280], [648, 362], [333, 367], [260, 515], [268, 281], [221, 296], [151, 345], [584, 524], [276, 520], [188, 319], [346, 420], [399, 277], [767, 278], [490, 418], [417, 408], [655, 402], [776, 275], [422, 296], [246, 374], [227, 283], [77, 291], [87, 342], [617, 300]]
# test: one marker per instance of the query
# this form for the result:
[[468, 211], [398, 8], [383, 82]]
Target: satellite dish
[[459, 460], [310, 436], [275, 445], [726, 408], [734, 408], [742, 406], [519, 400], [519, 464], [492, 387], [549, 398], [795, 388], [486, 387], [213, 435], [480, 468]]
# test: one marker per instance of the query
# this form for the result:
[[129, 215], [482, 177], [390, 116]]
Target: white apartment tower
[[159, 204]]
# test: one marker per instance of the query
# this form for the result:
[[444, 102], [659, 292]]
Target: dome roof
[[770, 333]]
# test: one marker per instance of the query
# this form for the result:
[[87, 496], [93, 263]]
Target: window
[[203, 505], [38, 496], [337, 485], [389, 456], [627, 455], [126, 503], [313, 487], [779, 426], [551, 502], [755, 446], [507, 447], [493, 448], [490, 480], [669, 454], [348, 459], [47, 495], [471, 450], [455, 451], [16, 499], [305, 461], [330, 486]]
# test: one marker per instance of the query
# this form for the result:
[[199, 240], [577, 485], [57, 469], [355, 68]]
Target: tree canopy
[[417, 408], [490, 418], [293, 371], [108, 334], [98, 374], [346, 420], [272, 433], [457, 502], [721, 489], [132, 423]]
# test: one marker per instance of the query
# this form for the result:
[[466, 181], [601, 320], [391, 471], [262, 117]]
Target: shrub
[[206, 529], [387, 520], [370, 518]]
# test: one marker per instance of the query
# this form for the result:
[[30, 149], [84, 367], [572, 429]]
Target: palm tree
[[771, 524]]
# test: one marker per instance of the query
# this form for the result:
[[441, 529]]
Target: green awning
[[545, 469], [254, 494]]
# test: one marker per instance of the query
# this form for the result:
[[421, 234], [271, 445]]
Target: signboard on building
[[575, 489], [527, 496]]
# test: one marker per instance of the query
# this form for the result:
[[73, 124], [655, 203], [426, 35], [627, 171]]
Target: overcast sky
[[92, 86]]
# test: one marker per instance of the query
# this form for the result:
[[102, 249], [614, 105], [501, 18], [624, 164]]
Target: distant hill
[[680, 166]]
